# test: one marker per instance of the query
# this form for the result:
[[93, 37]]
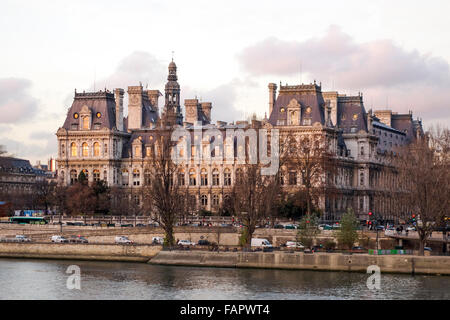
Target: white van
[[123, 240], [158, 240], [262, 243]]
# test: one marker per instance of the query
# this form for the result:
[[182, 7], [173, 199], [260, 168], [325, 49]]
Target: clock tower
[[172, 109]]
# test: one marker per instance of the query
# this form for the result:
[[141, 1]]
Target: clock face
[[75, 116], [134, 99], [308, 110], [355, 116], [98, 115], [191, 111]]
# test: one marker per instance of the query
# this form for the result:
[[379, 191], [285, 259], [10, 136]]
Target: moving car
[[59, 239], [186, 243], [411, 228], [123, 240], [325, 227], [262, 243], [78, 239], [294, 244], [158, 240], [21, 238], [203, 242]]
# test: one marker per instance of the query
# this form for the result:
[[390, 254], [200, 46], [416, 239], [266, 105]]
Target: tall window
[[136, 177], [73, 149], [181, 178], [85, 122], [96, 149], [204, 177], [125, 178], [215, 200], [227, 177], [293, 178], [147, 177], [361, 179], [215, 177], [105, 176], [192, 178], [96, 175], [204, 199], [85, 149], [73, 176]]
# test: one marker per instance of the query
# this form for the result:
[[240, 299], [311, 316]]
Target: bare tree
[[310, 157], [424, 179], [254, 196], [164, 197]]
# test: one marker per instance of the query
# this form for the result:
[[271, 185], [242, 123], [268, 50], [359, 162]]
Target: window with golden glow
[[85, 122], [73, 149], [96, 149], [85, 149]]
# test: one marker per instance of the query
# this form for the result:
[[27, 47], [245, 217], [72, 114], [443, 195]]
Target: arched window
[[181, 177], [215, 200], [96, 149], [125, 178], [73, 149], [86, 173], [73, 176], [204, 200], [227, 177], [96, 175], [204, 177], [85, 149], [192, 178], [215, 177], [136, 177]]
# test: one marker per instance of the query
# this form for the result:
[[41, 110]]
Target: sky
[[397, 53]]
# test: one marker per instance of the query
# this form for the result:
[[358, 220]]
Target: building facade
[[97, 139]]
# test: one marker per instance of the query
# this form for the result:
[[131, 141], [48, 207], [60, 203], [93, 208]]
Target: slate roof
[[351, 114], [306, 95], [16, 165], [101, 101]]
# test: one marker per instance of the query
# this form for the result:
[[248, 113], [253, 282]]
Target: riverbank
[[100, 252], [406, 264]]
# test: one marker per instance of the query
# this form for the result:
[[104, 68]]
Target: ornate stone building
[[96, 138]]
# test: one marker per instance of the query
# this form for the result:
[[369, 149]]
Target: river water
[[47, 279]]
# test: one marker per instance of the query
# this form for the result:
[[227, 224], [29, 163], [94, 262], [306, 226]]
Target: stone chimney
[[370, 121], [154, 95], [206, 108], [272, 96], [135, 94], [118, 93], [191, 106], [328, 122]]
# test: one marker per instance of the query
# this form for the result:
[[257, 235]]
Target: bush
[[347, 234], [330, 245]]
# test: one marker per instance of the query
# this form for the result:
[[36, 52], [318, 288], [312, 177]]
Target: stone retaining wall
[[110, 252], [301, 261]]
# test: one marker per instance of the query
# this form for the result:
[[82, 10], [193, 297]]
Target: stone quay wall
[[407, 264], [106, 252]]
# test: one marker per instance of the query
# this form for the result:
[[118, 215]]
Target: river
[[47, 279]]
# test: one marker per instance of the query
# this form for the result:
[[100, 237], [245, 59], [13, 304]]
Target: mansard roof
[[351, 114], [15, 165], [97, 102], [305, 95]]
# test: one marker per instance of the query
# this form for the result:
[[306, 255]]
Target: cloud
[[16, 103], [222, 97], [137, 67], [381, 69]]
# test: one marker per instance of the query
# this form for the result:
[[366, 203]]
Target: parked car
[[123, 240], [127, 225], [278, 226], [21, 238], [157, 240], [203, 242], [78, 239], [411, 228], [290, 226], [381, 228], [59, 239], [325, 227], [140, 225], [294, 244], [427, 249], [185, 243], [260, 243], [359, 249]]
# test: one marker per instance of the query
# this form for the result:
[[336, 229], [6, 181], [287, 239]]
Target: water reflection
[[46, 279]]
